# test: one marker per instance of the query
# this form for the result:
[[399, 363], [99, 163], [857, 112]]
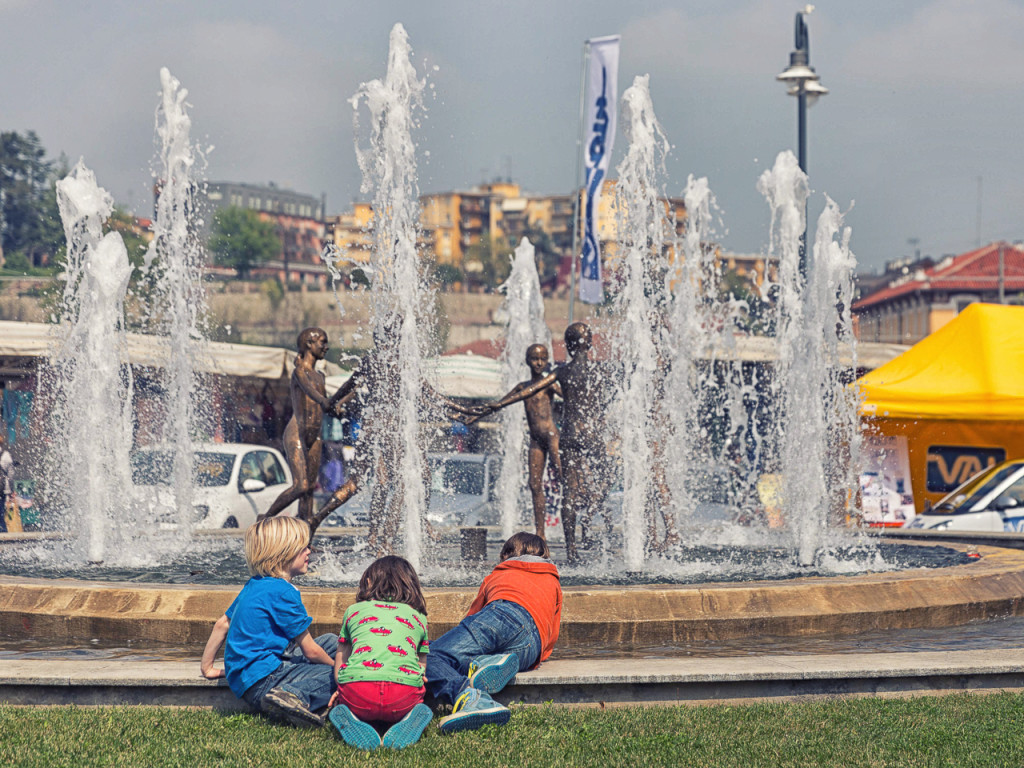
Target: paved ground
[[576, 682]]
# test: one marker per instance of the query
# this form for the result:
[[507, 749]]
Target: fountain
[[399, 304], [524, 326], [90, 386], [179, 304], [684, 406]]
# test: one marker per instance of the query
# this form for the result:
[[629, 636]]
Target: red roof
[[976, 270]]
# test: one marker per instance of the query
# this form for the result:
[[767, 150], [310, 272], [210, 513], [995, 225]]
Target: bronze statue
[[302, 443], [377, 382], [543, 432], [587, 469]]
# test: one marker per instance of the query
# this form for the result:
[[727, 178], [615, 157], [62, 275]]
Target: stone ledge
[[66, 610], [570, 682]]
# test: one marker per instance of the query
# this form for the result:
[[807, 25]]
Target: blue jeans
[[501, 627], [312, 682]]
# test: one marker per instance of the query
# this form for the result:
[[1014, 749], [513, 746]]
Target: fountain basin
[[69, 610]]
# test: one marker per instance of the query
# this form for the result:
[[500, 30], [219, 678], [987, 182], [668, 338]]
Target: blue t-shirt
[[265, 617]]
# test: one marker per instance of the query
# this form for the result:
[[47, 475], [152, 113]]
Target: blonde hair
[[272, 543]]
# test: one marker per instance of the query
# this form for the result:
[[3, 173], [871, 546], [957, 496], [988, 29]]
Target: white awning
[[471, 376], [40, 339]]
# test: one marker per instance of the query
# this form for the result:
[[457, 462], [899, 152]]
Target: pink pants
[[380, 701]]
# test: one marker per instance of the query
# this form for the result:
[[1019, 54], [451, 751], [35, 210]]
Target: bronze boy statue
[[587, 468], [377, 381], [543, 432], [302, 443]]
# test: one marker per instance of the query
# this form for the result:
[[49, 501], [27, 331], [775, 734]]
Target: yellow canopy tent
[[957, 396]]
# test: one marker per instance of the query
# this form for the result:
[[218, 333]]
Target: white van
[[992, 500]]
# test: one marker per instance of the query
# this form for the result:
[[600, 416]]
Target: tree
[[127, 226], [446, 275], [755, 315], [29, 220], [241, 239]]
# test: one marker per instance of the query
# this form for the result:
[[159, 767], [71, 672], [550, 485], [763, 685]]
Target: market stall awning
[[40, 339], [470, 376], [971, 368]]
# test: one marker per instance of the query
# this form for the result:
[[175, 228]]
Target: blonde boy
[[266, 619]]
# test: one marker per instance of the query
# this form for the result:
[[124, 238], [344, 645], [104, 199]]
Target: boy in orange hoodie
[[511, 626]]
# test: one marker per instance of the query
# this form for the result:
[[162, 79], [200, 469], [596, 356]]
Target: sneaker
[[408, 730], [473, 709], [492, 673], [288, 706], [354, 731]]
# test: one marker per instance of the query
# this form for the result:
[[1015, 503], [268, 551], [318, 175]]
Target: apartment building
[[915, 304], [298, 221]]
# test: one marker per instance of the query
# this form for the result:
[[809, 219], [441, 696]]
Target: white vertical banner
[[599, 117]]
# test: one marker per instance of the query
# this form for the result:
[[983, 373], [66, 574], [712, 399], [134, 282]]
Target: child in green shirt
[[382, 648]]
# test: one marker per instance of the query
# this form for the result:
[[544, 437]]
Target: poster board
[[887, 495]]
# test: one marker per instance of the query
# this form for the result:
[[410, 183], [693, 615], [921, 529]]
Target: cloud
[[973, 44]]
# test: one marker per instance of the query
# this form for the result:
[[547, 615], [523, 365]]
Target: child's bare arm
[[311, 650], [423, 665], [217, 635], [344, 651]]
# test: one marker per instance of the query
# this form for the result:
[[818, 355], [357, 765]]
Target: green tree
[[29, 220], [241, 239], [446, 274], [755, 316]]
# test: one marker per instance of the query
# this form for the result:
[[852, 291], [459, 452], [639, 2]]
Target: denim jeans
[[312, 682], [501, 627]]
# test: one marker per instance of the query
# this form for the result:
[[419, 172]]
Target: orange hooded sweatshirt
[[533, 584]]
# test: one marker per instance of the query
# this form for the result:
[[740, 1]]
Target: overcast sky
[[926, 97]]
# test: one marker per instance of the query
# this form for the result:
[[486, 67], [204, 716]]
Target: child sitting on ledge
[[264, 621]]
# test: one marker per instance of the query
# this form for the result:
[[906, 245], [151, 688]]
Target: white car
[[232, 482], [992, 500], [461, 493]]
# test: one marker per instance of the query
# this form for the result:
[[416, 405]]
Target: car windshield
[[209, 469], [963, 499], [457, 477]]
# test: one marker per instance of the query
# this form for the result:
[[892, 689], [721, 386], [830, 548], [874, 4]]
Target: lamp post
[[803, 83]]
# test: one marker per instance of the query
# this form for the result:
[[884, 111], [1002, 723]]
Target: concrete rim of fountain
[[69, 610]]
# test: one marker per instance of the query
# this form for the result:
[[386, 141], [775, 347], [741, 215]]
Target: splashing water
[[639, 308], [176, 257], [524, 326], [399, 296], [687, 402], [808, 382], [90, 385]]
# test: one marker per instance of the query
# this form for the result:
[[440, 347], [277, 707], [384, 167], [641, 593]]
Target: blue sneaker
[[354, 731], [408, 730], [472, 709], [492, 673]]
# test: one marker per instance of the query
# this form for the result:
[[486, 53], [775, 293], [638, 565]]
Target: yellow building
[[452, 223], [352, 233]]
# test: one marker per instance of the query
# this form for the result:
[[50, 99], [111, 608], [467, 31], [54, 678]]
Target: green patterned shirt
[[386, 640]]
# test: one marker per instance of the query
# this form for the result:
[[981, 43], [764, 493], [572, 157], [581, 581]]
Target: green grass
[[961, 730]]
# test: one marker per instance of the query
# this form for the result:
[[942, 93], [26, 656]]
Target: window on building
[[963, 301]]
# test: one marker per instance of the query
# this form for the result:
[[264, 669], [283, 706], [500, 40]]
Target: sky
[[918, 139]]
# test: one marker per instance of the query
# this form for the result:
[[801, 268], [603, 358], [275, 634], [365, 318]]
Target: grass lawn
[[960, 730]]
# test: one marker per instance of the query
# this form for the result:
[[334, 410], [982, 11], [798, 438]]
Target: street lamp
[[803, 83]]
